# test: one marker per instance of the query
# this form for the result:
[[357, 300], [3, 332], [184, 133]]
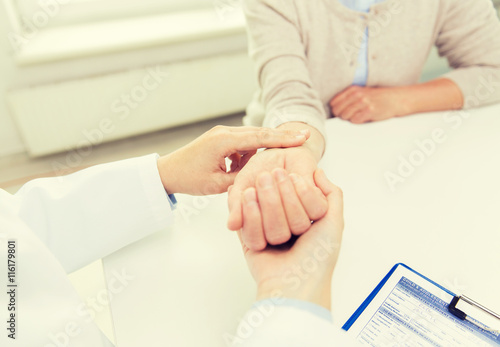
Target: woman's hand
[[370, 104], [284, 201], [364, 104]]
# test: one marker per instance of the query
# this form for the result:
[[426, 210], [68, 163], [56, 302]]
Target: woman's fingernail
[[280, 175], [300, 137], [304, 132], [250, 195], [295, 178], [265, 180]]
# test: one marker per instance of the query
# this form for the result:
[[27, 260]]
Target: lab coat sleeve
[[277, 49], [469, 37], [92, 213], [271, 325]]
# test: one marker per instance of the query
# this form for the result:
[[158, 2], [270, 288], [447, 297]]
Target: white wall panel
[[67, 115]]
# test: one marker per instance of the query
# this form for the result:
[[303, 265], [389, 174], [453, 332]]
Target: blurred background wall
[[73, 71]]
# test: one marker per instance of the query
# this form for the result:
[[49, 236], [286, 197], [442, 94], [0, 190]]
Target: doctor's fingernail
[[265, 180]]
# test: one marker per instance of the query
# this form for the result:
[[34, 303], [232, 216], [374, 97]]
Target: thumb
[[333, 194], [235, 219], [225, 180]]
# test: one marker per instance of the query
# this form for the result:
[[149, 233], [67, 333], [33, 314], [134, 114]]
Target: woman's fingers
[[234, 201], [312, 199], [273, 215], [252, 234], [298, 220], [282, 205]]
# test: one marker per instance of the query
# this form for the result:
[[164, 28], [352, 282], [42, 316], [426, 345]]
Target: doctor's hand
[[199, 168], [301, 269]]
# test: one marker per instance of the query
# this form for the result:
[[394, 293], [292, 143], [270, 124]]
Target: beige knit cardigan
[[305, 51]]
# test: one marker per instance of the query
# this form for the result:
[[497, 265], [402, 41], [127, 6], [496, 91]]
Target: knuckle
[[319, 211], [256, 245], [338, 192], [299, 227], [263, 134], [276, 239], [218, 130]]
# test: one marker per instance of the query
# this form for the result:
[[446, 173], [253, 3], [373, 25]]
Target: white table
[[191, 284]]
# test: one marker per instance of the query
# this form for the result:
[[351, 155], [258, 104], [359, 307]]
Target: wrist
[[437, 95], [316, 142], [316, 291], [405, 101], [168, 179]]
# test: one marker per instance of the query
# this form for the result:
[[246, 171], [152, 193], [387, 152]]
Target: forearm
[[105, 207], [437, 95], [315, 143]]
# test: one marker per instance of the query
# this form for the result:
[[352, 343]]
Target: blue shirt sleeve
[[172, 201]]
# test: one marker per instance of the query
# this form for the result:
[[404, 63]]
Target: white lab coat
[[62, 224], [282, 326]]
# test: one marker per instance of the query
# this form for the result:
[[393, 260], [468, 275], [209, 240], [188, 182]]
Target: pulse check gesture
[[199, 168], [288, 202]]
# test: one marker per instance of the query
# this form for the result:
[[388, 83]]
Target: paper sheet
[[411, 311]]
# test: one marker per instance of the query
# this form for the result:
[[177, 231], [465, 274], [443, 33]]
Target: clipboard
[[406, 306]]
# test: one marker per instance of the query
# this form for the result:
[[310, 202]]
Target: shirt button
[[374, 56]]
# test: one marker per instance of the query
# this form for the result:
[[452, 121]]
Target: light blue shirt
[[361, 75]]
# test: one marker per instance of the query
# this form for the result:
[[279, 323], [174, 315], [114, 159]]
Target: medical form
[[410, 310]]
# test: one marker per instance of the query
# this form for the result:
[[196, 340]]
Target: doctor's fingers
[[252, 234], [312, 198], [274, 219], [248, 139], [298, 220], [334, 196]]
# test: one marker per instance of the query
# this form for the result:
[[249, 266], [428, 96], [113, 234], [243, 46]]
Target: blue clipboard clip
[[452, 308]]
